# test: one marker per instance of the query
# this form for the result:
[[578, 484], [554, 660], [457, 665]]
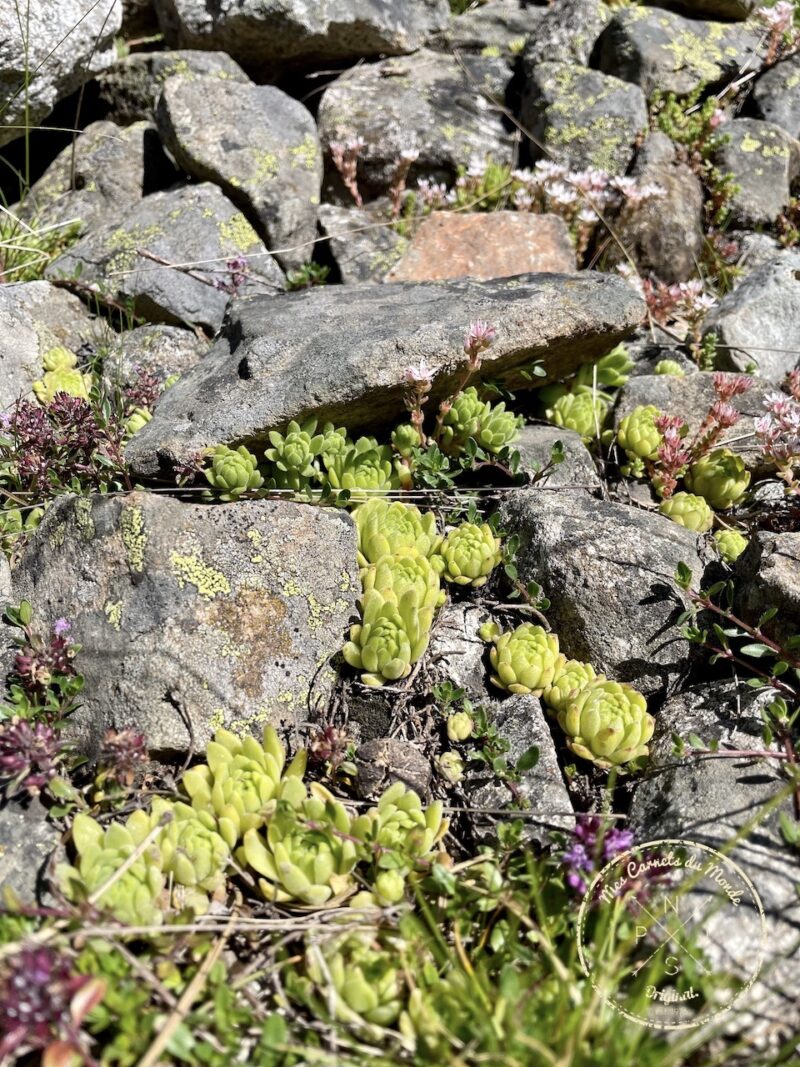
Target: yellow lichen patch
[[125, 242], [83, 517], [190, 569], [113, 611], [305, 154], [237, 235], [217, 719], [266, 166], [749, 143], [134, 536]]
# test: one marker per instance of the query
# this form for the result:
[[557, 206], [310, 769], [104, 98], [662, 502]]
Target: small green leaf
[[756, 650], [528, 759]]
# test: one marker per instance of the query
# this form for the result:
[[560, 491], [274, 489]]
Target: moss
[[134, 536], [237, 235], [113, 612], [190, 569], [83, 517], [305, 155]]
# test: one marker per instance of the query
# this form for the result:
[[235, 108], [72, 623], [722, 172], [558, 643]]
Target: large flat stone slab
[[316, 354], [191, 616]]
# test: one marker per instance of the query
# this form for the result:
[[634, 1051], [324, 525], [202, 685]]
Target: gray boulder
[[661, 50], [764, 161], [268, 35], [110, 171], [767, 576], [776, 95], [734, 10], [314, 354], [55, 48], [259, 146], [364, 245], [193, 617], [566, 32], [194, 224], [162, 351], [35, 317], [427, 103], [690, 398], [499, 28], [607, 570], [535, 446], [385, 760], [582, 118], [28, 840], [756, 323], [711, 802], [130, 88], [663, 234]]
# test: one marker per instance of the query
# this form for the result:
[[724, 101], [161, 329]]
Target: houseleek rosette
[[392, 636], [384, 528], [608, 723], [526, 660], [469, 554], [688, 510], [233, 471], [720, 477]]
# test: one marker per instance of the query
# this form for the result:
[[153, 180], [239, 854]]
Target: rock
[[710, 802], [521, 721], [28, 838], [386, 760], [734, 10], [768, 575], [130, 88], [607, 570], [582, 118], [313, 354], [62, 46], [776, 95], [363, 245], [649, 346], [259, 145], [269, 35], [755, 249], [484, 245], [535, 446], [660, 50], [663, 234], [566, 32], [756, 321], [457, 652], [690, 398], [191, 616], [138, 19], [427, 103], [113, 169], [5, 584], [196, 223], [764, 161], [499, 28], [29, 327], [162, 351]]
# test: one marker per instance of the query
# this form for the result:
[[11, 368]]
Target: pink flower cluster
[[578, 195], [778, 432], [682, 301]]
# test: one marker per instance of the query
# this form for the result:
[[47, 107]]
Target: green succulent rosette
[[307, 852], [570, 680], [730, 544], [405, 438], [585, 413], [384, 528], [394, 575], [241, 779], [720, 477], [397, 834], [688, 510], [608, 723], [61, 376], [293, 455], [392, 635], [638, 435], [469, 554], [498, 428], [137, 897], [355, 978], [670, 368], [233, 471], [192, 850], [138, 418], [526, 660], [364, 468], [612, 370], [463, 420]]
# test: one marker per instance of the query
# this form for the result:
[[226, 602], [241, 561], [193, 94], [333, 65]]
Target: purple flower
[[29, 753], [591, 849], [61, 627]]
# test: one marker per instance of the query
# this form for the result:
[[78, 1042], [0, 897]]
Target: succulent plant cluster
[[402, 558], [604, 721], [583, 402], [61, 376], [491, 426], [247, 804]]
